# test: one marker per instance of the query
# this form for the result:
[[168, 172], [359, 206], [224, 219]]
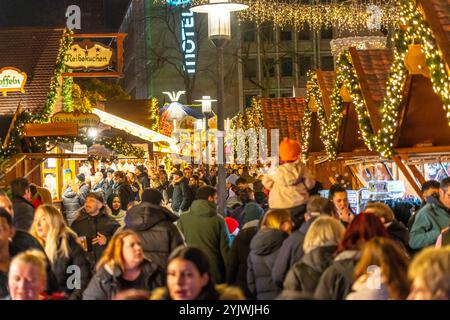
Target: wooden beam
[[65, 129], [12, 125], [417, 174], [358, 176], [408, 176], [422, 150], [30, 156]]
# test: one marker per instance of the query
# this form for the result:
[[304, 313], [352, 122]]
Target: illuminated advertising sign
[[188, 41]]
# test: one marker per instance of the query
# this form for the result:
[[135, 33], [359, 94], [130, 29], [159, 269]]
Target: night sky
[[18, 13]]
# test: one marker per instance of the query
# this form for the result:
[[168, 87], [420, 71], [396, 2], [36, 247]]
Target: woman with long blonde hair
[[264, 247], [122, 267], [63, 250]]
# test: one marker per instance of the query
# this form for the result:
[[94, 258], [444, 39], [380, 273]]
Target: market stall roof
[[178, 111], [285, 114], [437, 14], [325, 80], [132, 128], [372, 68], [33, 51]]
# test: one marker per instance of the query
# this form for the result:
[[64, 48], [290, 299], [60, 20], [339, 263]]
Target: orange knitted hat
[[289, 150]]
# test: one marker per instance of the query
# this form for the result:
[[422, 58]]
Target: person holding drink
[[95, 225], [338, 195], [62, 248]]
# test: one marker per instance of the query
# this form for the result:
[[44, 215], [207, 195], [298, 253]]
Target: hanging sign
[[82, 119], [89, 55], [12, 80]]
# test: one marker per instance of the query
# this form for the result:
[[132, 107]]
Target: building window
[[269, 68], [266, 31], [304, 33], [248, 100], [327, 63], [326, 33], [304, 64], [286, 94], [286, 67], [285, 35], [248, 32], [250, 68]]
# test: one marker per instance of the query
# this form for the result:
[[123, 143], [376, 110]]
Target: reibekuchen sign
[[89, 55], [12, 80]]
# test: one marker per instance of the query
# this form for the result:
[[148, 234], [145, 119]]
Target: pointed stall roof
[[33, 51]]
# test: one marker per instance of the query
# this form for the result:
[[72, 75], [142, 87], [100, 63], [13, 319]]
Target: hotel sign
[[12, 80], [88, 55], [82, 119]]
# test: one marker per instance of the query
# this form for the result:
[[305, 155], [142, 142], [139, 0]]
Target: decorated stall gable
[[12, 80], [89, 55]]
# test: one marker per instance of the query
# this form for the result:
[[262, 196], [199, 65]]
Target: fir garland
[[154, 114]]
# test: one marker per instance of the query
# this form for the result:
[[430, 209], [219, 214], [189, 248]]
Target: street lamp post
[[219, 32], [206, 110]]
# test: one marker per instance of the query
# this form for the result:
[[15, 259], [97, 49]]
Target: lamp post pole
[[219, 31], [206, 144]]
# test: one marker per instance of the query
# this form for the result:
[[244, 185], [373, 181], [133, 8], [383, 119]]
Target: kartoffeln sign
[[12, 80]]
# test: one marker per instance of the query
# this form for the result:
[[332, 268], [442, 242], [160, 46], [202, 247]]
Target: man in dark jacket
[[292, 249], [23, 241], [204, 228], [142, 176], [83, 189], [22, 206], [95, 225], [122, 189], [182, 195], [154, 225]]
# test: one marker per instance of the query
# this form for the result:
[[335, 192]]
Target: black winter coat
[[398, 232], [60, 267], [154, 225], [264, 249], [290, 252], [23, 241], [88, 226], [237, 259], [337, 280], [125, 194], [70, 205], [23, 213], [304, 276], [107, 281], [182, 196]]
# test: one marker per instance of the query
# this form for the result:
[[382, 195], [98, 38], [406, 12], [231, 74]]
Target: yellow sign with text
[[89, 55]]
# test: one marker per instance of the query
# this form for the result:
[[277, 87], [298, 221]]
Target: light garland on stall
[[154, 114]]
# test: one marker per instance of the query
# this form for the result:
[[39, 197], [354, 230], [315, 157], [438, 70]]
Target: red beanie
[[232, 225], [289, 150]]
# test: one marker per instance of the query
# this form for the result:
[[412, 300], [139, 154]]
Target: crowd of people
[[139, 232]]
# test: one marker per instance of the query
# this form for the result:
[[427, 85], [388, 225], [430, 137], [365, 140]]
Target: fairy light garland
[[154, 114]]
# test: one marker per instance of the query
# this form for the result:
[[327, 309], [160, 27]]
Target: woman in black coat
[[67, 258], [264, 247], [70, 203], [155, 226], [337, 280], [129, 270], [319, 246]]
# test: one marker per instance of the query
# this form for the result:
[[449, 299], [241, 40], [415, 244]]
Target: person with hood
[[22, 206], [264, 248], [396, 230], [142, 176], [289, 184], [123, 267], [292, 249], [70, 202], [95, 225], [182, 196], [319, 246], [83, 188], [122, 189], [381, 273], [62, 248], [432, 219], [240, 248], [337, 280], [155, 227], [117, 213], [204, 228], [189, 278]]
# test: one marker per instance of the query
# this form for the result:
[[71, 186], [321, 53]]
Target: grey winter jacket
[[70, 205]]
